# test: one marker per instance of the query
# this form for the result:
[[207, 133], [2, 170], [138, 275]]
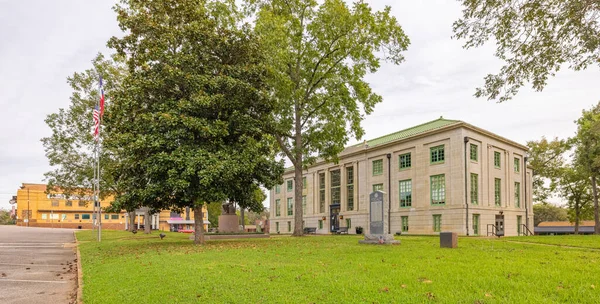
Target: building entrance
[[499, 225], [334, 217]]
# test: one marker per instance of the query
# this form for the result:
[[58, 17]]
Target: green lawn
[[586, 241], [127, 268]]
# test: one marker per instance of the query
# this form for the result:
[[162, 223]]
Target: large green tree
[[534, 39], [70, 147], [588, 153], [546, 157], [573, 186], [319, 53], [192, 109], [546, 212]]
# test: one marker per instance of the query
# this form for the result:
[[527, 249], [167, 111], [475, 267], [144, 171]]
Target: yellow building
[[36, 208]]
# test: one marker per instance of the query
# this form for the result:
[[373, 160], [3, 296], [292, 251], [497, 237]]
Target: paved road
[[37, 265]]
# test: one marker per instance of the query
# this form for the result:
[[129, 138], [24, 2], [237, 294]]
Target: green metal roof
[[428, 126]]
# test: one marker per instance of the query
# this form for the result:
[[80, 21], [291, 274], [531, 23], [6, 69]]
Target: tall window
[[277, 189], [517, 165], [497, 159], [304, 182], [350, 188], [289, 226], [438, 189], [405, 191], [475, 224], [404, 223], [437, 154], [336, 191], [497, 188], [517, 194], [320, 224], [304, 204], [277, 226], [473, 152], [404, 161], [519, 222], [290, 185], [321, 192], [277, 207], [474, 188], [437, 222], [349, 223], [377, 187], [290, 206], [378, 167]]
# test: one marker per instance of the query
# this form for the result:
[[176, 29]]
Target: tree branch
[[285, 149]]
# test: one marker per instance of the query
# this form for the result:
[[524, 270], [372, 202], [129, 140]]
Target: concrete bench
[[309, 230], [342, 230]]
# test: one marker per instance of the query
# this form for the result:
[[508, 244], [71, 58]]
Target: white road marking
[[32, 281]]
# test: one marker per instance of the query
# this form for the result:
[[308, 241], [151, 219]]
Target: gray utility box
[[448, 239]]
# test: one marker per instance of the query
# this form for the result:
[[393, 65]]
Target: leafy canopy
[[534, 38]]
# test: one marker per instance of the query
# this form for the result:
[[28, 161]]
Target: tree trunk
[[243, 220], [577, 217], [147, 222], [198, 225], [131, 221], [298, 227], [596, 216]]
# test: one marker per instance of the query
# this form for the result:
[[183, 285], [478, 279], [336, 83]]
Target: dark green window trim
[[378, 167], [320, 224], [404, 223], [519, 223], [277, 189], [404, 161], [517, 165], [497, 159], [277, 207], [304, 204], [350, 188], [473, 152], [497, 190], [289, 226], [517, 194], [405, 193], [321, 192], [377, 187], [349, 223], [85, 216], [304, 182], [277, 226], [437, 222], [474, 189], [437, 187], [290, 185], [475, 224], [336, 186], [437, 155], [290, 206]]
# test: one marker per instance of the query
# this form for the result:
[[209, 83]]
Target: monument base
[[229, 223], [379, 239]]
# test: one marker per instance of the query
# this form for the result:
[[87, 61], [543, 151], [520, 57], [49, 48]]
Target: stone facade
[[497, 163]]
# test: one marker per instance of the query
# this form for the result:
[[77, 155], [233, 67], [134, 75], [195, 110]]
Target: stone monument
[[228, 220], [376, 233]]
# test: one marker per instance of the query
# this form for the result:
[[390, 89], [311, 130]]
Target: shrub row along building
[[443, 175], [36, 208]]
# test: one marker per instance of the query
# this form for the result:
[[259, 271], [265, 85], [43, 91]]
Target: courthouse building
[[36, 208], [443, 175]]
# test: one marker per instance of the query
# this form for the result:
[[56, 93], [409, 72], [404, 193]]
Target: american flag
[[101, 98], [96, 114]]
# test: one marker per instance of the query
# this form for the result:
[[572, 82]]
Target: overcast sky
[[43, 42]]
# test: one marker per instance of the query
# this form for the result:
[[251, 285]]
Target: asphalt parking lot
[[37, 265]]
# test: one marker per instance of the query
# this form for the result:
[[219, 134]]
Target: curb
[[79, 273]]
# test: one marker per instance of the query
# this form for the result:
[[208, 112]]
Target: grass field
[[127, 268]]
